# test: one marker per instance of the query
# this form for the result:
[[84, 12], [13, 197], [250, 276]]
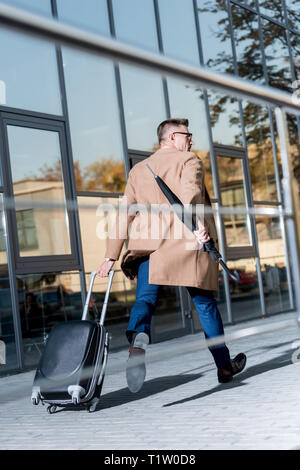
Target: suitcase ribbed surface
[[67, 346]]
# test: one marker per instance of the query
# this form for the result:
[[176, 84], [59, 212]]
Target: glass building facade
[[73, 124]]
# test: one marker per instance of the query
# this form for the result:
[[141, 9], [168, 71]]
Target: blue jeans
[[205, 303]]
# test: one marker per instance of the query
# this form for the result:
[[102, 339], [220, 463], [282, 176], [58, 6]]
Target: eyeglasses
[[188, 134]]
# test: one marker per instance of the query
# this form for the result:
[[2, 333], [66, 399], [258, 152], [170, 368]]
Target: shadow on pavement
[[275, 363], [152, 387], [161, 384]]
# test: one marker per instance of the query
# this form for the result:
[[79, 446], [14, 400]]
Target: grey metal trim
[[28, 112], [97, 194], [235, 253], [161, 50], [50, 29], [229, 151], [266, 203], [119, 91], [10, 249], [287, 260], [122, 118]]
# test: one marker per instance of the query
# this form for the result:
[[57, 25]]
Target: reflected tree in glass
[[293, 12]]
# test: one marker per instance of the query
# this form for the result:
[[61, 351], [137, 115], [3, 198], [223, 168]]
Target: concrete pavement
[[181, 405]]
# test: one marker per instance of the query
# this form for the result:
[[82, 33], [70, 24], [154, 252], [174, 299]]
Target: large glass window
[[28, 74], [94, 122], [215, 35], [37, 176], [260, 152], [225, 119], [135, 23], [179, 30], [36, 6], [144, 107], [247, 44], [232, 189], [245, 298], [90, 14], [186, 101], [44, 300], [277, 56], [273, 264]]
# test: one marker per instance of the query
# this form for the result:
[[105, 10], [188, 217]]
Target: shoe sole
[[244, 357], [136, 369]]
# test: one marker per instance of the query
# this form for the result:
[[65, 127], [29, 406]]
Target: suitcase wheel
[[51, 409]]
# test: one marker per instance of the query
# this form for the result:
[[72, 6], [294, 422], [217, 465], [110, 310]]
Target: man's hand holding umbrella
[[201, 234]]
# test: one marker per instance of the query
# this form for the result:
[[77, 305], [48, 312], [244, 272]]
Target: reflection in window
[[135, 23], [294, 146], [26, 227], [260, 152], [144, 107], [277, 56], [99, 214], [293, 12], [250, 3], [25, 82], [7, 332], [272, 9], [225, 119], [273, 264], [295, 45], [41, 7], [231, 178], [186, 101], [179, 30], [44, 300], [247, 44], [245, 299], [37, 177], [215, 35], [94, 122], [91, 15]]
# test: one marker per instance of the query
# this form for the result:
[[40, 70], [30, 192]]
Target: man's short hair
[[163, 127]]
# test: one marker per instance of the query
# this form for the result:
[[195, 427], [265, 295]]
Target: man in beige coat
[[162, 251]]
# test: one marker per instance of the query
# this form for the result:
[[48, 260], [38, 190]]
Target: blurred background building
[[72, 125]]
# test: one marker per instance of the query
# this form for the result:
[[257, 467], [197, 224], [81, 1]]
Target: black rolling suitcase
[[72, 367]]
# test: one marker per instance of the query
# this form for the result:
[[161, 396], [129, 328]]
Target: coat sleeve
[[119, 230]]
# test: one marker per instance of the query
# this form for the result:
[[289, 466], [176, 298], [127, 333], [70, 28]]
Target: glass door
[[238, 231], [35, 163]]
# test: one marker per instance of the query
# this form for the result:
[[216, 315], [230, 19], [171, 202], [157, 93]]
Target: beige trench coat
[[176, 259]]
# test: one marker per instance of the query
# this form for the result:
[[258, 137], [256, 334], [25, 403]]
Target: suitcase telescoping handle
[[89, 293]]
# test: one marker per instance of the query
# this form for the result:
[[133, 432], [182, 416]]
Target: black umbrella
[[191, 224]]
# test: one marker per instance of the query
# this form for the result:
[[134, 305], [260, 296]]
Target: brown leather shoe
[[236, 366], [136, 368]]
